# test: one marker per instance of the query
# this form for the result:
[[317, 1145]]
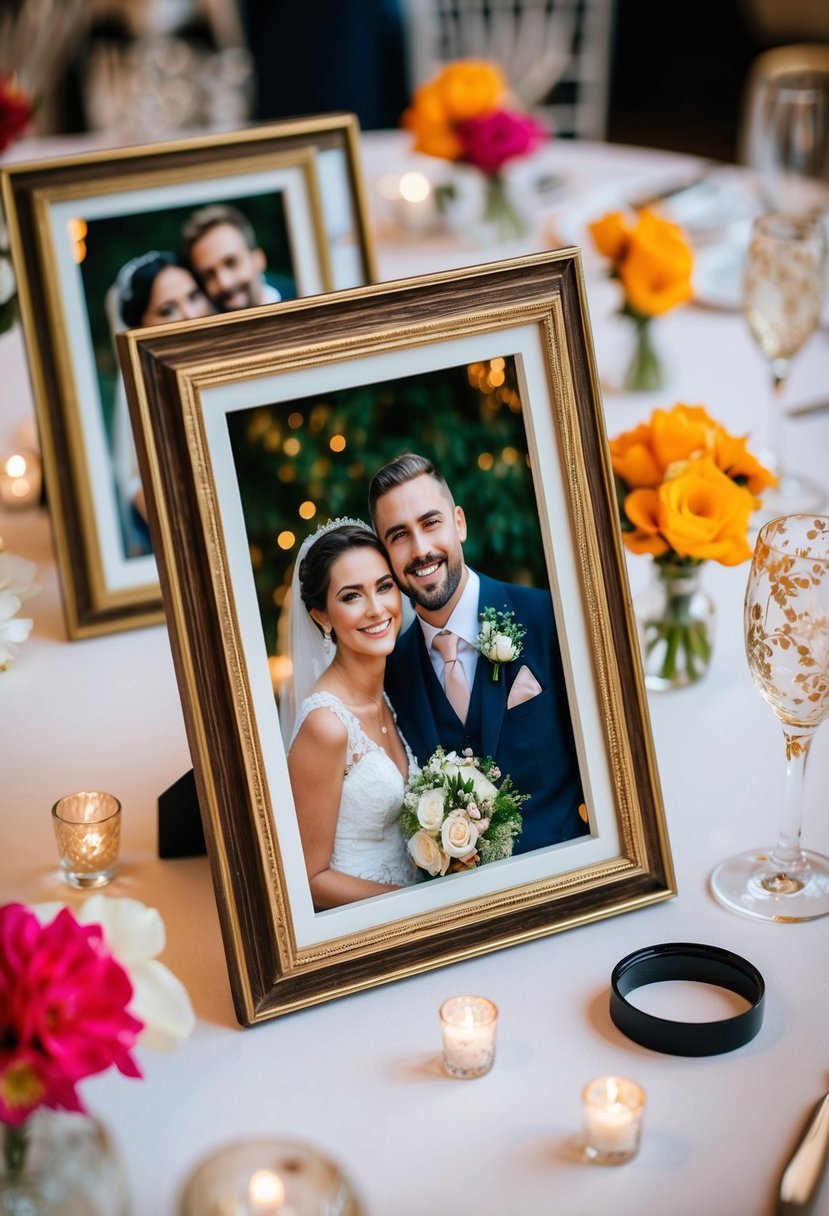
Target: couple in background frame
[[370, 701], [221, 267]]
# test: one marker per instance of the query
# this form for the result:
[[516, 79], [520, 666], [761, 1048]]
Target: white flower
[[458, 835], [7, 283], [13, 629], [482, 787], [499, 639], [134, 935], [18, 576], [427, 853], [430, 810], [505, 649], [17, 583]]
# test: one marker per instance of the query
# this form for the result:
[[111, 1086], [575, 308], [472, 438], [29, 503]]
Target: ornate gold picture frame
[[252, 429], [79, 226]]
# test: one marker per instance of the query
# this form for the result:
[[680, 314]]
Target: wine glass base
[[751, 885]]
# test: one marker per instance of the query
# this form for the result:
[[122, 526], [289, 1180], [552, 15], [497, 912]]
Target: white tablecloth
[[359, 1077]]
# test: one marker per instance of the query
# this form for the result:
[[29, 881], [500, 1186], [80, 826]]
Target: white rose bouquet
[[455, 818], [499, 639]]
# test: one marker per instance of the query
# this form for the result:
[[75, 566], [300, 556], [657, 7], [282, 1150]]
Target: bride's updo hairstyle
[[315, 567]]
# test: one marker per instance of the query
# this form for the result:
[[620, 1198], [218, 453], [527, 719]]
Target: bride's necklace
[[374, 701]]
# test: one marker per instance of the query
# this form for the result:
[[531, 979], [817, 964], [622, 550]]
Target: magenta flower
[[63, 1012], [492, 139]]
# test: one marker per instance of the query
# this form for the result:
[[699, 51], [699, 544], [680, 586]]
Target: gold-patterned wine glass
[[784, 281], [787, 645]]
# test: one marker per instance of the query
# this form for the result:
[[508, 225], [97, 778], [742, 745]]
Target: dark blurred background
[[662, 75]]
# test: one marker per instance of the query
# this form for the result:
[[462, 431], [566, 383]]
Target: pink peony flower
[[15, 111], [491, 140], [63, 1012]]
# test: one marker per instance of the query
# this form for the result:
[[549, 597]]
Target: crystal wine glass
[[783, 287], [787, 645], [788, 140]]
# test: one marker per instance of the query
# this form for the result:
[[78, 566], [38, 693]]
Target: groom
[[442, 688]]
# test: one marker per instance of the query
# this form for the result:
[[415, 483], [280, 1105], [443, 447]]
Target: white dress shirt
[[465, 623]]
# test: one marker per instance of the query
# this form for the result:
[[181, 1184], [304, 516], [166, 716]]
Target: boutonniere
[[499, 639]]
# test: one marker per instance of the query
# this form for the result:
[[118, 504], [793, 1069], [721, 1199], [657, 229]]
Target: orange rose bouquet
[[687, 489], [653, 261], [463, 115]]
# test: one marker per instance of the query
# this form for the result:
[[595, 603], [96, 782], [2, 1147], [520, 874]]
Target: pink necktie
[[454, 678]]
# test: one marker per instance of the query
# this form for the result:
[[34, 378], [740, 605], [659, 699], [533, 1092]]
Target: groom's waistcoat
[[532, 741]]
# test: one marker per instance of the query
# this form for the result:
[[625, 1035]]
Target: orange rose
[[631, 454], [642, 509], [610, 235], [682, 432], [469, 88], [465, 89], [704, 514], [733, 457], [656, 267]]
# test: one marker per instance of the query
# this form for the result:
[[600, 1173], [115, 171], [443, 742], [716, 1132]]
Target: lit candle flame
[[266, 1192]]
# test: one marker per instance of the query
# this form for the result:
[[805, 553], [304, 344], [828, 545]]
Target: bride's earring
[[326, 640]]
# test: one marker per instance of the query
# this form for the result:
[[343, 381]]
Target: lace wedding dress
[[368, 842]]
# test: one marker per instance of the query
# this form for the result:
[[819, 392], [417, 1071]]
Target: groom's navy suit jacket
[[532, 742]]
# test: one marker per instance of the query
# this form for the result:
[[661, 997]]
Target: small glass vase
[[644, 372], [60, 1163], [500, 219], [676, 621]]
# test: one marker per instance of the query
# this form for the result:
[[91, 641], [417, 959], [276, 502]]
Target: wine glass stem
[[779, 463], [787, 854]]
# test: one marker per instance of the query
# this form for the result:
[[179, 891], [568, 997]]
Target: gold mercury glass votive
[[613, 1108], [88, 833], [269, 1177], [468, 1024]]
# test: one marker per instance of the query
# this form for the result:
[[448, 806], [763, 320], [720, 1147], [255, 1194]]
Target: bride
[[347, 760]]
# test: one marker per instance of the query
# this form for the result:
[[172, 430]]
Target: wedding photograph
[[404, 660], [157, 267], [306, 464], [186, 230]]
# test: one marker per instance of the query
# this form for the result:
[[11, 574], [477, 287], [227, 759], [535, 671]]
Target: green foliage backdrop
[[315, 457]]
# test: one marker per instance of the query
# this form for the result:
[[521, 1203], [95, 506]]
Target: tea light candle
[[411, 198], [468, 1024], [21, 478], [88, 832], [613, 1109]]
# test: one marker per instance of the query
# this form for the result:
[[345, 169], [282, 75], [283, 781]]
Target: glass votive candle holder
[[88, 834], [613, 1108], [269, 1177], [21, 479], [468, 1024]]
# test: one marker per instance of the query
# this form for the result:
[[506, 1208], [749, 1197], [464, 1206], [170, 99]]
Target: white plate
[[704, 209], [718, 274]]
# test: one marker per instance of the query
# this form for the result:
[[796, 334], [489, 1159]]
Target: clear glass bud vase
[[644, 372], [676, 619], [60, 1164], [500, 219]]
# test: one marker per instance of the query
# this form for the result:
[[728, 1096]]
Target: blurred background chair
[[554, 53]]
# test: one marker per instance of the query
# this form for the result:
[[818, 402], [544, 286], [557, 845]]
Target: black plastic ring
[[687, 961]]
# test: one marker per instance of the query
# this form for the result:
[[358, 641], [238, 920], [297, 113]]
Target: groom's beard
[[438, 595]]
